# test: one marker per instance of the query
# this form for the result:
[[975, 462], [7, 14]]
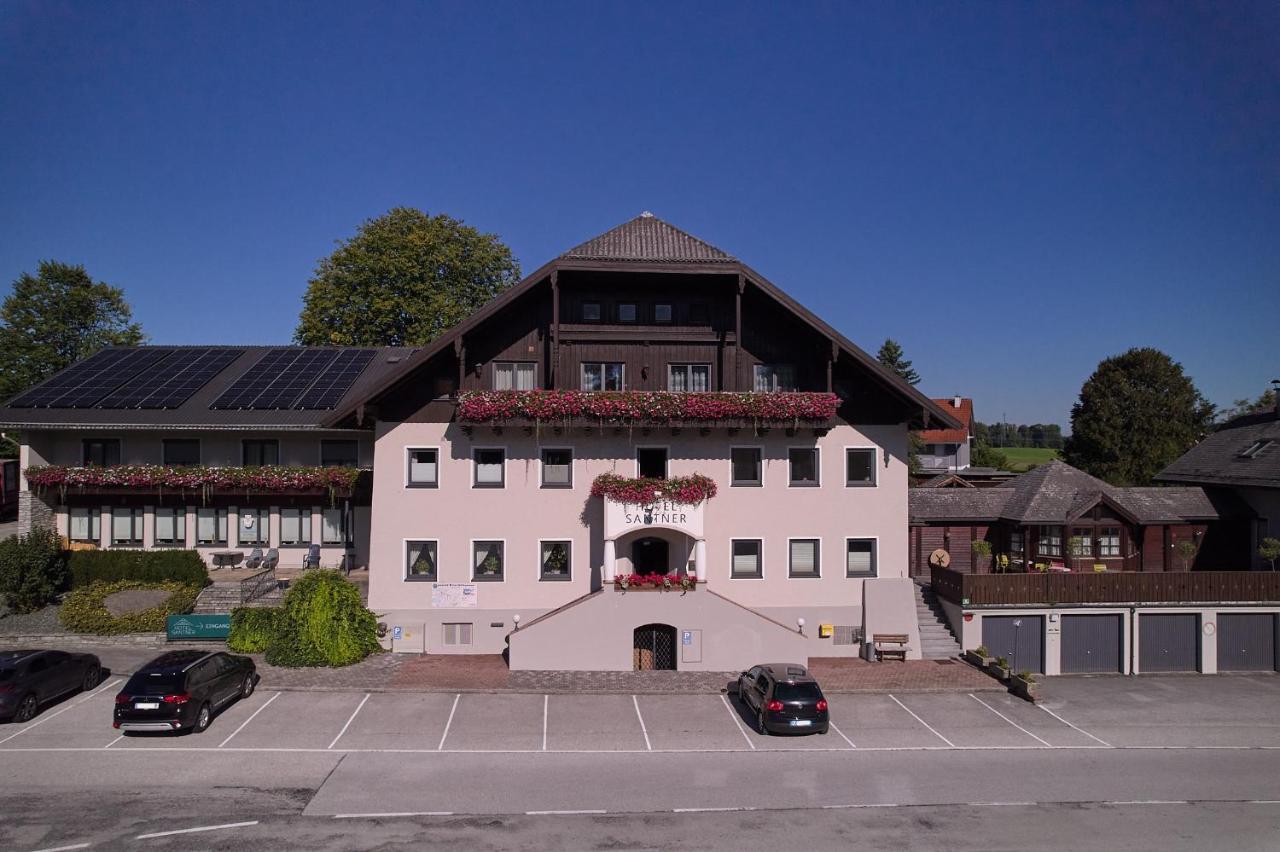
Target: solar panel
[[256, 379], [178, 388], [336, 379], [294, 379], [84, 384]]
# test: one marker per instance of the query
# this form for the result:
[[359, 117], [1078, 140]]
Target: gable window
[[689, 378], [860, 557], [126, 527], [774, 377], [254, 526], [295, 527], [627, 312], [171, 527], [803, 557], [1109, 541], [748, 559], [85, 524], [420, 560], [335, 527], [211, 526], [747, 466], [180, 452], [603, 376], [344, 453], [100, 452], [859, 467], [424, 467], [1050, 541], [514, 375], [554, 560], [804, 466], [489, 468], [557, 468], [257, 453], [651, 462], [591, 312], [487, 560], [662, 312]]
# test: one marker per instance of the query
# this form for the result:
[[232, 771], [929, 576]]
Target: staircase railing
[[257, 585]]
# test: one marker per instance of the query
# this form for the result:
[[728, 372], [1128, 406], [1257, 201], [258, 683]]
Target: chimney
[[955, 401]]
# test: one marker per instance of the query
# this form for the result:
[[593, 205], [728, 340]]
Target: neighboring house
[[1241, 458], [8, 489], [948, 449]]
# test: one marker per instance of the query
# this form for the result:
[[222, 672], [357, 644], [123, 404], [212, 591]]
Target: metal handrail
[[257, 585]]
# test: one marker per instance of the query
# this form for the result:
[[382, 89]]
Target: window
[[699, 314], [591, 312], [424, 467], [489, 468], [487, 560], [344, 453], [1081, 541], [1016, 543], [859, 467], [211, 526], [126, 527], [100, 452], [627, 312], [514, 375], [662, 312], [775, 377], [457, 633], [295, 527], [557, 468], [1050, 541], [180, 452], [171, 527], [555, 560], [651, 462], [334, 527], [804, 466], [253, 526], [748, 559], [746, 466], [85, 524], [804, 557], [689, 378], [257, 453], [603, 376], [860, 557], [420, 560], [1109, 541]]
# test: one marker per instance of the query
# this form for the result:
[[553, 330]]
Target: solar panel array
[[336, 379], [296, 379], [151, 377]]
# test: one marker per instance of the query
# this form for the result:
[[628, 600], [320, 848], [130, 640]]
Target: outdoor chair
[[255, 558], [312, 559], [272, 559]]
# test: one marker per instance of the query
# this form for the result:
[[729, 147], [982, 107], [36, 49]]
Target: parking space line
[[452, 710], [546, 699], [359, 707], [922, 721], [1068, 724], [250, 719], [195, 830], [1010, 721], [113, 742], [62, 710], [395, 814], [734, 716], [64, 848], [841, 733], [564, 813], [648, 745]]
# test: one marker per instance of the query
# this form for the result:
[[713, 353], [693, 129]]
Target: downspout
[[1133, 624]]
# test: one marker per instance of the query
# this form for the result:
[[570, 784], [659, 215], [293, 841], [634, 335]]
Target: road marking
[[452, 710], [113, 742], [196, 830], [647, 745], [359, 707], [546, 699], [64, 848], [841, 733], [1010, 721], [922, 722], [1149, 802], [712, 810], [563, 813], [59, 712], [250, 719], [393, 814], [1001, 804], [733, 714], [1068, 724]]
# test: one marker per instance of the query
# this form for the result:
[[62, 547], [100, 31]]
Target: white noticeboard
[[453, 595]]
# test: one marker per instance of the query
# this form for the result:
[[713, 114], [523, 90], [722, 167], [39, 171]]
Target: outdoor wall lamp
[[800, 625], [516, 620]]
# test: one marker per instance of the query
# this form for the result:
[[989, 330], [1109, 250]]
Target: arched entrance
[[654, 647], [650, 555]]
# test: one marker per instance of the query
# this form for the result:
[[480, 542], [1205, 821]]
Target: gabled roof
[[1244, 452], [963, 413], [646, 238]]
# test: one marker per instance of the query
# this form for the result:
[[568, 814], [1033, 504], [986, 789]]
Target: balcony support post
[[700, 560], [610, 561]]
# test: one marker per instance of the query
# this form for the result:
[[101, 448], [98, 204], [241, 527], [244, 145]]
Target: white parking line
[[841, 733], [59, 712], [196, 829], [1010, 721], [733, 714], [546, 699], [1068, 724], [250, 719], [648, 745], [64, 848], [452, 710], [922, 722], [359, 707], [113, 742], [563, 813], [393, 814]]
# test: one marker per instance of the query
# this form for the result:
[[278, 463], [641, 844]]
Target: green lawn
[[1024, 458]]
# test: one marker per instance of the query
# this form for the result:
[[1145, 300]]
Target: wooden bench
[[890, 645]]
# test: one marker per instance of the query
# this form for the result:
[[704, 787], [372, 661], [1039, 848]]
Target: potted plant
[[999, 668], [489, 567], [979, 656], [981, 552], [1026, 685]]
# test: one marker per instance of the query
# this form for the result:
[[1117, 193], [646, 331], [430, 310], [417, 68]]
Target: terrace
[[1110, 587]]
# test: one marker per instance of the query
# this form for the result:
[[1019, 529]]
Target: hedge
[[84, 610], [253, 629], [324, 623], [144, 566]]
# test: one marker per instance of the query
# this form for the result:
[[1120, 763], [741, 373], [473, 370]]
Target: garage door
[[1246, 642], [1017, 638], [1091, 643], [1169, 642]]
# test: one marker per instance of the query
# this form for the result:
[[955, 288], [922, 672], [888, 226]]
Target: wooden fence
[[1113, 587]]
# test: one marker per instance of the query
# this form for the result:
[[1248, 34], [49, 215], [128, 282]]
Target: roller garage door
[[1017, 638], [1091, 643], [1169, 642], [1246, 642]]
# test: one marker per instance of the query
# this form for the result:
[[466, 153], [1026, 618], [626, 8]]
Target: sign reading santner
[[657, 513], [621, 518]]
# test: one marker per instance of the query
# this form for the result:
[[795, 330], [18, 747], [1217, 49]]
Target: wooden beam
[[553, 369], [737, 332]]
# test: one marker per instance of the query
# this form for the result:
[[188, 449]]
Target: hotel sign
[[622, 518]]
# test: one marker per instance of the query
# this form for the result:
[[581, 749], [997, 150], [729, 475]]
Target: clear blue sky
[[1014, 191]]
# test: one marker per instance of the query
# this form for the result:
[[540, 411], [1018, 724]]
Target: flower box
[[273, 479], [646, 407], [643, 491], [655, 583]]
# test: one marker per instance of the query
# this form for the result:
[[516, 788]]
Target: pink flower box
[[657, 407]]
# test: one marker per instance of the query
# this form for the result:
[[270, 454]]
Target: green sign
[[198, 626]]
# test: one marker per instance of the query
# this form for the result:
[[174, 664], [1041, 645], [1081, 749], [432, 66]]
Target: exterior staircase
[[937, 642], [224, 597]]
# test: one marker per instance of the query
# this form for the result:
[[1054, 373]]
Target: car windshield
[[154, 683], [797, 692]]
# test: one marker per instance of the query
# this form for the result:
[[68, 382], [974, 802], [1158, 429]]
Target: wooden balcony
[[1111, 587]]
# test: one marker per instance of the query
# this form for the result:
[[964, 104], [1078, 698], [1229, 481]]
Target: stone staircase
[[937, 642], [224, 597]]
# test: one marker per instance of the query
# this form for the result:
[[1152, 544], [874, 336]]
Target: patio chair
[[272, 559], [312, 559], [255, 558]]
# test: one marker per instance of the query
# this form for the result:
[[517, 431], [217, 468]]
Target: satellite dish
[[940, 558]]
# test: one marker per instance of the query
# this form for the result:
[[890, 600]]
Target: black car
[[785, 698], [31, 679], [182, 690]]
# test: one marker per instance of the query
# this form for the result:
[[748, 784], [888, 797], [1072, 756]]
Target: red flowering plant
[[273, 478], [645, 407], [643, 491], [660, 582]]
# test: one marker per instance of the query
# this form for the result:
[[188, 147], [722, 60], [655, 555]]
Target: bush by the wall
[[145, 566], [84, 610], [253, 629], [324, 623], [33, 570]]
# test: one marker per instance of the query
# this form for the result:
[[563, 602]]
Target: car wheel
[[760, 723], [246, 688], [91, 675], [203, 719], [27, 708]]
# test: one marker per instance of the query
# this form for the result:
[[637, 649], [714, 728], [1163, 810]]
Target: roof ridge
[[621, 243]]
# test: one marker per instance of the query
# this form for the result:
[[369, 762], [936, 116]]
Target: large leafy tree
[[891, 356], [57, 317], [402, 280], [1136, 414], [1266, 401]]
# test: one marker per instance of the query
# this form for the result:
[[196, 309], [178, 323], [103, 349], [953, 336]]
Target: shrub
[[982, 651], [144, 566], [33, 570], [323, 623], [85, 610], [253, 629]]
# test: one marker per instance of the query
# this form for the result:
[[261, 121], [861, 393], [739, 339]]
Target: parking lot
[[1081, 713]]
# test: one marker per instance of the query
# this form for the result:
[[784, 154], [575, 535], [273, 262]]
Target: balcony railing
[[128, 478], [647, 408], [1112, 587]]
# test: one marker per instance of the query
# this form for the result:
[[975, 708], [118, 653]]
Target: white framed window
[[770, 378], [859, 467], [420, 559], [860, 557], [689, 378], [555, 559], [422, 467], [171, 526], [515, 375], [490, 467], [557, 467], [295, 527], [334, 527], [746, 467], [604, 376], [1050, 541], [488, 560], [253, 526], [747, 555], [126, 527], [805, 467], [211, 526], [457, 633], [804, 557], [85, 524], [1109, 541], [652, 462]]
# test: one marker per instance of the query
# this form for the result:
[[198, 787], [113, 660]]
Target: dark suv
[[31, 679], [785, 698], [182, 690]]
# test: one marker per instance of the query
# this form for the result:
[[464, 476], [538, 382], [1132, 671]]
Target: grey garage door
[[1246, 642], [1090, 643], [1169, 642], [1017, 638]]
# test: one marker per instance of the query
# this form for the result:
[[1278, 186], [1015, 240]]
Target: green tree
[[1270, 550], [890, 355], [57, 317], [1136, 414], [1265, 402], [403, 280]]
